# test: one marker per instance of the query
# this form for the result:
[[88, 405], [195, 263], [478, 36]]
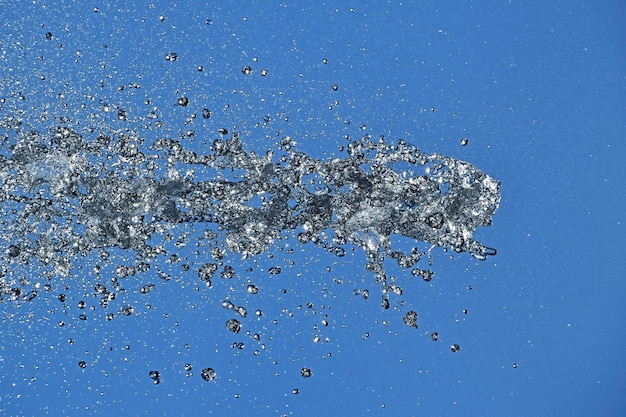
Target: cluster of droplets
[[66, 196], [59, 200]]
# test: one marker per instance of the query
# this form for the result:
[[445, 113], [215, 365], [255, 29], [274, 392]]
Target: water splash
[[67, 193]]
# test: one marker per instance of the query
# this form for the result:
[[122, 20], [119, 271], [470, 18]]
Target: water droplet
[[242, 311], [233, 325], [207, 271], [275, 270], [410, 319], [13, 251], [208, 374], [228, 272], [147, 288], [30, 295]]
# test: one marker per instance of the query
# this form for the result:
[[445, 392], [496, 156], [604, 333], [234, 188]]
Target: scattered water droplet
[[208, 374]]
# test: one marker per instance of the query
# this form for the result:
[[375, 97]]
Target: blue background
[[539, 90]]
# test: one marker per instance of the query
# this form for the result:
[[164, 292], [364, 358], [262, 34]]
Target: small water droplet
[[208, 374]]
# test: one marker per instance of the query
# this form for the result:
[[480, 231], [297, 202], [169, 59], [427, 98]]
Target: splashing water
[[67, 193]]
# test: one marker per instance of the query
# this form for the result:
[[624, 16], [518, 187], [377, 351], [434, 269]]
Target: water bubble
[[246, 70]]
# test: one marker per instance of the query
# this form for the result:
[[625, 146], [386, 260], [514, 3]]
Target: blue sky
[[538, 90]]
